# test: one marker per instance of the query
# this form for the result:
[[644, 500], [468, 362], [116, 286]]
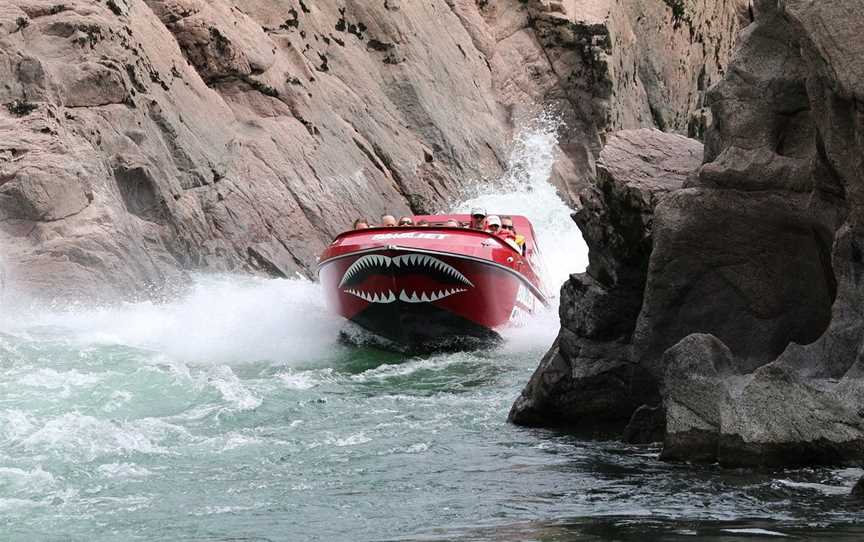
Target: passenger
[[388, 221], [496, 227], [406, 221], [453, 223], [423, 224], [493, 224], [361, 224], [477, 219], [507, 226]]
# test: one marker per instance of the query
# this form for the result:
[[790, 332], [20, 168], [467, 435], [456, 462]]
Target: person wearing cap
[[493, 224], [477, 219]]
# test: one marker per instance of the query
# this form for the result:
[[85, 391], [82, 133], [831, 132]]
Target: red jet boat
[[426, 288]]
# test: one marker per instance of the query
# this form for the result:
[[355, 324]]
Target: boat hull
[[420, 328], [426, 299], [431, 287]]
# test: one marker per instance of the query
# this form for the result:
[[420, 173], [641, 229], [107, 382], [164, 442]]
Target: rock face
[[590, 375], [142, 139], [749, 320], [609, 65]]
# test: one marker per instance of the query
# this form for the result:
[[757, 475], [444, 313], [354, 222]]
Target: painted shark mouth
[[370, 279]]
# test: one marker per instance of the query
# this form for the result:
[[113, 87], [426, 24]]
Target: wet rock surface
[[145, 139], [646, 426], [591, 374], [749, 317], [693, 393]]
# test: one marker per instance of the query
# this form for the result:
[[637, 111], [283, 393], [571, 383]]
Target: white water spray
[[224, 319], [525, 189]]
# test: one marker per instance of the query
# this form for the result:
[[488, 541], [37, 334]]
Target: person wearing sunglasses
[[495, 227], [509, 232], [406, 221]]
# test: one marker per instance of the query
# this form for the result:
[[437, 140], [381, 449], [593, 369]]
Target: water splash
[[525, 189], [224, 319]]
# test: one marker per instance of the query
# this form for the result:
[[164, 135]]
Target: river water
[[234, 413]]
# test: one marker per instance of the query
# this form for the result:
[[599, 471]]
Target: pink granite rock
[[146, 139]]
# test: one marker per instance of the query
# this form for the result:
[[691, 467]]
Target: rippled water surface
[[234, 413]]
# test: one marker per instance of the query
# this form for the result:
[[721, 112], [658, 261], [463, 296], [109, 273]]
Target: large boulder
[[770, 235], [693, 393], [590, 376], [774, 418], [717, 410]]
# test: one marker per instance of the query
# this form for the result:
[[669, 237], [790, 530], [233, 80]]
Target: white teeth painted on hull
[[419, 260], [416, 260], [389, 297], [424, 298]]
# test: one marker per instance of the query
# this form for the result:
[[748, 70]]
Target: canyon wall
[[143, 139], [721, 311]]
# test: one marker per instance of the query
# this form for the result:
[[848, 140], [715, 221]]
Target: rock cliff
[[142, 139], [740, 286]]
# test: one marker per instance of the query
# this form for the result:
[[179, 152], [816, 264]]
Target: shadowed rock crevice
[[140, 193]]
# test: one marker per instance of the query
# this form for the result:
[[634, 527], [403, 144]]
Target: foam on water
[[224, 319]]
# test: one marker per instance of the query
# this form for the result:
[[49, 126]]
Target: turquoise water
[[235, 414]]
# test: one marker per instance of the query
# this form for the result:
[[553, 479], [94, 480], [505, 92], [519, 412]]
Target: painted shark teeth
[[427, 298], [422, 260], [364, 262], [389, 297], [379, 261]]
